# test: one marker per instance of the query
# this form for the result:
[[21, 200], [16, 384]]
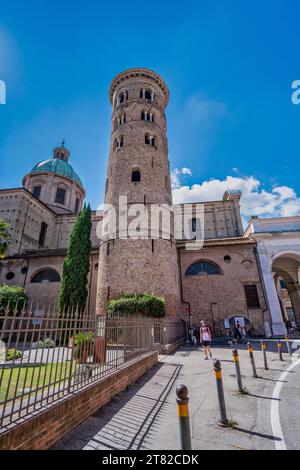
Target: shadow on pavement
[[125, 423], [258, 434]]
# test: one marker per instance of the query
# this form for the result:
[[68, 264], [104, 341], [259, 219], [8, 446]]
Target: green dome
[[59, 167]]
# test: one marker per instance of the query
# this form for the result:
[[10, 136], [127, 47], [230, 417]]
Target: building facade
[[278, 248], [219, 279]]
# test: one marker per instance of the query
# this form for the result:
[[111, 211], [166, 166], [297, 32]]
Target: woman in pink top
[[205, 338]]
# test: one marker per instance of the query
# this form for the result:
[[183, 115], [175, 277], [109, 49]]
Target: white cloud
[[175, 176], [279, 201]]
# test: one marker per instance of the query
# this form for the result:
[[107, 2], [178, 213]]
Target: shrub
[[138, 304], [13, 299], [82, 342], [13, 353], [46, 343], [83, 338], [4, 238]]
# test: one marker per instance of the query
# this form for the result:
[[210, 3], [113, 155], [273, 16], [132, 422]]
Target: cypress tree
[[73, 291]]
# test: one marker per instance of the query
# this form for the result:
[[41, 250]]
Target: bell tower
[[138, 168]]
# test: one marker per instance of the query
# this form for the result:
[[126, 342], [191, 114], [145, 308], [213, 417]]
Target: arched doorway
[[286, 272]]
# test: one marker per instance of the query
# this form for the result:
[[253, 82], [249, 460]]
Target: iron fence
[[44, 358]]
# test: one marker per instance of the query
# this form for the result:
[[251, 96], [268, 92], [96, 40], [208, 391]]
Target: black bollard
[[235, 356], [250, 350], [279, 346], [220, 392], [264, 350], [184, 419]]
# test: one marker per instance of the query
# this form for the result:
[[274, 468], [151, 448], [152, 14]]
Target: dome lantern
[[62, 153]]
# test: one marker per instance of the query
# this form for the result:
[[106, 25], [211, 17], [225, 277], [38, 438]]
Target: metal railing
[[45, 358]]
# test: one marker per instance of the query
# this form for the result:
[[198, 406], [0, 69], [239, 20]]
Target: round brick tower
[[139, 170]]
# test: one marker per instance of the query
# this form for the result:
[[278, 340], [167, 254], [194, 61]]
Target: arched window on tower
[[122, 97], [149, 140], [136, 176], [118, 143], [147, 116], [121, 119], [147, 94], [203, 268]]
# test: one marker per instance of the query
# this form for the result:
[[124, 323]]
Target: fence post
[[263, 348], [279, 346], [184, 419], [235, 356], [252, 360], [288, 345], [220, 392]]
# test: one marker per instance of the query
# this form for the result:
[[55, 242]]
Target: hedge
[[13, 297], [138, 304]]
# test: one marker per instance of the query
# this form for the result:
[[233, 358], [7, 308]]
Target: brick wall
[[215, 297], [42, 430]]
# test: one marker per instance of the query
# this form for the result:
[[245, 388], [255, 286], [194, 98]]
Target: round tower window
[[227, 259], [24, 270]]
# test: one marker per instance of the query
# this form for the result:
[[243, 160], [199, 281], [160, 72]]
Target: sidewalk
[[145, 416]]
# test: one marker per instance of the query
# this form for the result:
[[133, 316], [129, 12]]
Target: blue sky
[[229, 66]]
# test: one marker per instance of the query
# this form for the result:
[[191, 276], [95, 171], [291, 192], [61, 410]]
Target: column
[[278, 326]]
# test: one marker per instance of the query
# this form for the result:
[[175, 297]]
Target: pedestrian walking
[[229, 337], [293, 327], [205, 338], [244, 334], [237, 332], [197, 335]]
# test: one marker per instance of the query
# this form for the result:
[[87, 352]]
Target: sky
[[229, 66]]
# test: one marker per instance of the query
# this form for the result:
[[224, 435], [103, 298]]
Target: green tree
[[4, 237], [73, 292]]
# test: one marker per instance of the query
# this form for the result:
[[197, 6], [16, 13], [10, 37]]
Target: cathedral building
[[220, 280]]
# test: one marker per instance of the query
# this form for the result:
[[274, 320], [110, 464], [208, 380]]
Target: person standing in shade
[[237, 332], [205, 338]]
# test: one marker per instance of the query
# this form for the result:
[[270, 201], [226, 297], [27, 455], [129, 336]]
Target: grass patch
[[232, 424], [14, 380]]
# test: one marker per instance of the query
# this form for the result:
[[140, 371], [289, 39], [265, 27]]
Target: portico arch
[[286, 266]]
